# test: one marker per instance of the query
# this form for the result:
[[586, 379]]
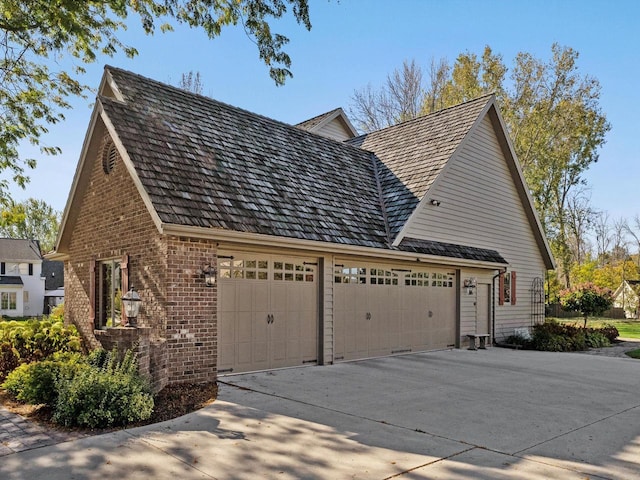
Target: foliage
[[32, 340], [586, 298], [36, 382], [33, 219], [35, 35], [552, 336], [110, 395], [609, 331]]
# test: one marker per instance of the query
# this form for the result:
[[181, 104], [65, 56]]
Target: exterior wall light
[[435, 203], [210, 274], [131, 302]]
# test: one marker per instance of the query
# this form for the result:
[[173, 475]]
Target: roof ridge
[[240, 110], [427, 115]]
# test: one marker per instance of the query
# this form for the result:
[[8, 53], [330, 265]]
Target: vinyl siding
[[327, 300], [480, 207], [335, 130]]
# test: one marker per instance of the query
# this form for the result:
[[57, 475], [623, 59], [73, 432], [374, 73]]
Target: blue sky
[[357, 42]]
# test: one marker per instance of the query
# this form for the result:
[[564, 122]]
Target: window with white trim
[[109, 293], [8, 301]]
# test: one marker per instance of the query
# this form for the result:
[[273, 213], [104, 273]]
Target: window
[[8, 301], [25, 297], [257, 269], [23, 269], [109, 293], [507, 288], [293, 272], [349, 274]]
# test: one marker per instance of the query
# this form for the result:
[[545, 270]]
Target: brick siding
[[113, 221]]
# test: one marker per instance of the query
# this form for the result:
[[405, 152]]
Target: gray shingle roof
[[207, 164], [414, 153], [18, 249], [10, 280], [312, 122]]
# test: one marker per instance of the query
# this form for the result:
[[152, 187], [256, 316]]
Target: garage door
[[380, 310], [267, 312]]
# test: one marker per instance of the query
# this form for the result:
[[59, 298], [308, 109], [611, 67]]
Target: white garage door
[[380, 310], [267, 312]]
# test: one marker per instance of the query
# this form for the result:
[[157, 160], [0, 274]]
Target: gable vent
[[109, 155]]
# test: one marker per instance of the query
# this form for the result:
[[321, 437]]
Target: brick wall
[[191, 311], [113, 221]]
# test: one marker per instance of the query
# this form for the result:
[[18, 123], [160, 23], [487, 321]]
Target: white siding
[[327, 300], [335, 129], [480, 207]]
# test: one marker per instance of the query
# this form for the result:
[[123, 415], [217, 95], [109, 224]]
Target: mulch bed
[[171, 402]]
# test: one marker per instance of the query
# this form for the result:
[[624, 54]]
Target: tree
[[191, 82], [32, 219], [552, 113], [399, 100], [35, 34], [588, 299]]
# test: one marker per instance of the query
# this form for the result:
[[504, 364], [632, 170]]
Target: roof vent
[[109, 155]]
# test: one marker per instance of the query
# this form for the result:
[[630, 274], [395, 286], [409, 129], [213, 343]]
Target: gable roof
[[415, 152], [208, 168], [18, 249], [319, 122]]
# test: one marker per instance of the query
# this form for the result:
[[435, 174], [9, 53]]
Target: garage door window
[[350, 274], [293, 272], [378, 276], [255, 269]]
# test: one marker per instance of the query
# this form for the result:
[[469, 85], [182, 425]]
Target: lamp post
[[131, 302]]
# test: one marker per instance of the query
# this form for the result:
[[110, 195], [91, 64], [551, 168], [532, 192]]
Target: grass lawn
[[626, 328], [634, 354]]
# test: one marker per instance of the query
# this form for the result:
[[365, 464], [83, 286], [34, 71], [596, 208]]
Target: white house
[[21, 281]]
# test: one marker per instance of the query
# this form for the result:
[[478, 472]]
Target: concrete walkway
[[494, 414]]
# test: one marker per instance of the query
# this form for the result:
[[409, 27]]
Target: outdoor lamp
[[210, 273], [131, 302]]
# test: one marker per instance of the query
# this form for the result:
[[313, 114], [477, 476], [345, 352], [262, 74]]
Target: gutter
[[317, 246]]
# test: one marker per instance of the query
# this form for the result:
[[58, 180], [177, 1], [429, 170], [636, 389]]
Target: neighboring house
[[53, 273], [626, 297], [403, 240], [21, 283]]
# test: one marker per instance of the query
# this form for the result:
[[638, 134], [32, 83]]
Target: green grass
[[626, 328], [634, 353]]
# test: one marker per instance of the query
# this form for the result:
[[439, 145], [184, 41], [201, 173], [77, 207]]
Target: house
[[53, 274], [626, 297], [402, 240], [21, 284]]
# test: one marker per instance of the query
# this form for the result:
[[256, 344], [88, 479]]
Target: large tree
[[35, 34], [33, 219], [552, 113]]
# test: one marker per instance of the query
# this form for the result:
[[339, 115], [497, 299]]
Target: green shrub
[[102, 396], [33, 340], [596, 339], [609, 331], [37, 383]]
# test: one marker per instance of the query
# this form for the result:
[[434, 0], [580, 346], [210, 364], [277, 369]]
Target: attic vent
[[109, 155]]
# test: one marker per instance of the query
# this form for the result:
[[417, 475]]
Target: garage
[[383, 310], [267, 311]]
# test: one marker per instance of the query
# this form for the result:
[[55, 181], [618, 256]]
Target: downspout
[[493, 305]]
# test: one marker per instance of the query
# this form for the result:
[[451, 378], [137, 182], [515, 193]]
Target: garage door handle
[[269, 318]]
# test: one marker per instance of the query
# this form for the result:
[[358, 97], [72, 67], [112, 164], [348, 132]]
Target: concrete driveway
[[494, 414]]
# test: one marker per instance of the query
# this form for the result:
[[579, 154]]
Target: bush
[[609, 331], [33, 340], [552, 336], [37, 383], [102, 396]]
